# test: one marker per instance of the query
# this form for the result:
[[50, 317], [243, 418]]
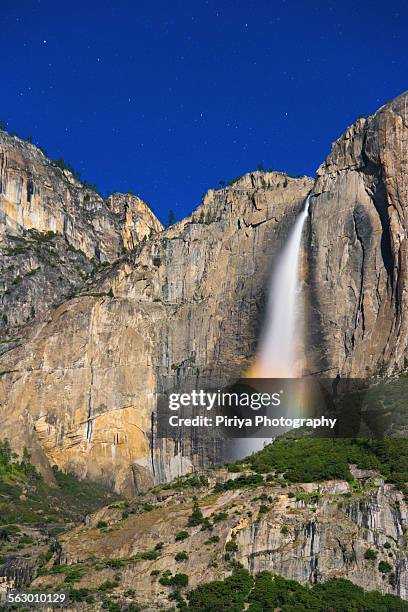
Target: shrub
[[231, 546], [181, 556], [73, 573], [164, 580], [309, 498], [252, 480], [220, 516], [370, 554], [147, 507], [69, 501], [101, 524], [176, 596], [181, 535], [111, 606], [229, 594], [108, 585], [196, 517], [384, 567], [179, 580], [79, 594], [284, 530], [212, 540], [206, 525], [149, 555], [234, 467], [8, 530]]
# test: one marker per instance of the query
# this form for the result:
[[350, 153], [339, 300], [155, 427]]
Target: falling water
[[277, 351], [277, 354]]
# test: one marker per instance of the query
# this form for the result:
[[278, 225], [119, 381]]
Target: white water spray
[[277, 352], [276, 357]]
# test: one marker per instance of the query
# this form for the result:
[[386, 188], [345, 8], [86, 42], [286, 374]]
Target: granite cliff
[[136, 316], [306, 532], [56, 233], [309, 533], [184, 304], [358, 248], [102, 309]]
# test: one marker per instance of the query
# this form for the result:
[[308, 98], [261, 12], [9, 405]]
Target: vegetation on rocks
[[196, 517], [42, 511], [26, 499], [98, 580], [262, 592], [181, 535], [317, 459], [252, 480]]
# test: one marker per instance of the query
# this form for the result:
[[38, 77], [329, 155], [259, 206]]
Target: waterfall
[[276, 356], [277, 353]]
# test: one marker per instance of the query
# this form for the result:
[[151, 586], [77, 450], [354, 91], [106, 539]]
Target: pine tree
[[196, 517], [172, 218]]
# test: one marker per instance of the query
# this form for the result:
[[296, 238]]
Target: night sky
[[165, 99]]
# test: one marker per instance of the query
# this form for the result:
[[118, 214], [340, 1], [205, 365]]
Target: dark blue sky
[[168, 98]]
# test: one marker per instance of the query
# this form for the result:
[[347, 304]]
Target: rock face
[[38, 270], [37, 194], [184, 307], [55, 234], [358, 247], [136, 220], [102, 310], [322, 544], [307, 532]]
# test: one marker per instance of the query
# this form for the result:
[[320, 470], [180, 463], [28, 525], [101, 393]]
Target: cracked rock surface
[[139, 309], [358, 247], [79, 384], [305, 532]]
